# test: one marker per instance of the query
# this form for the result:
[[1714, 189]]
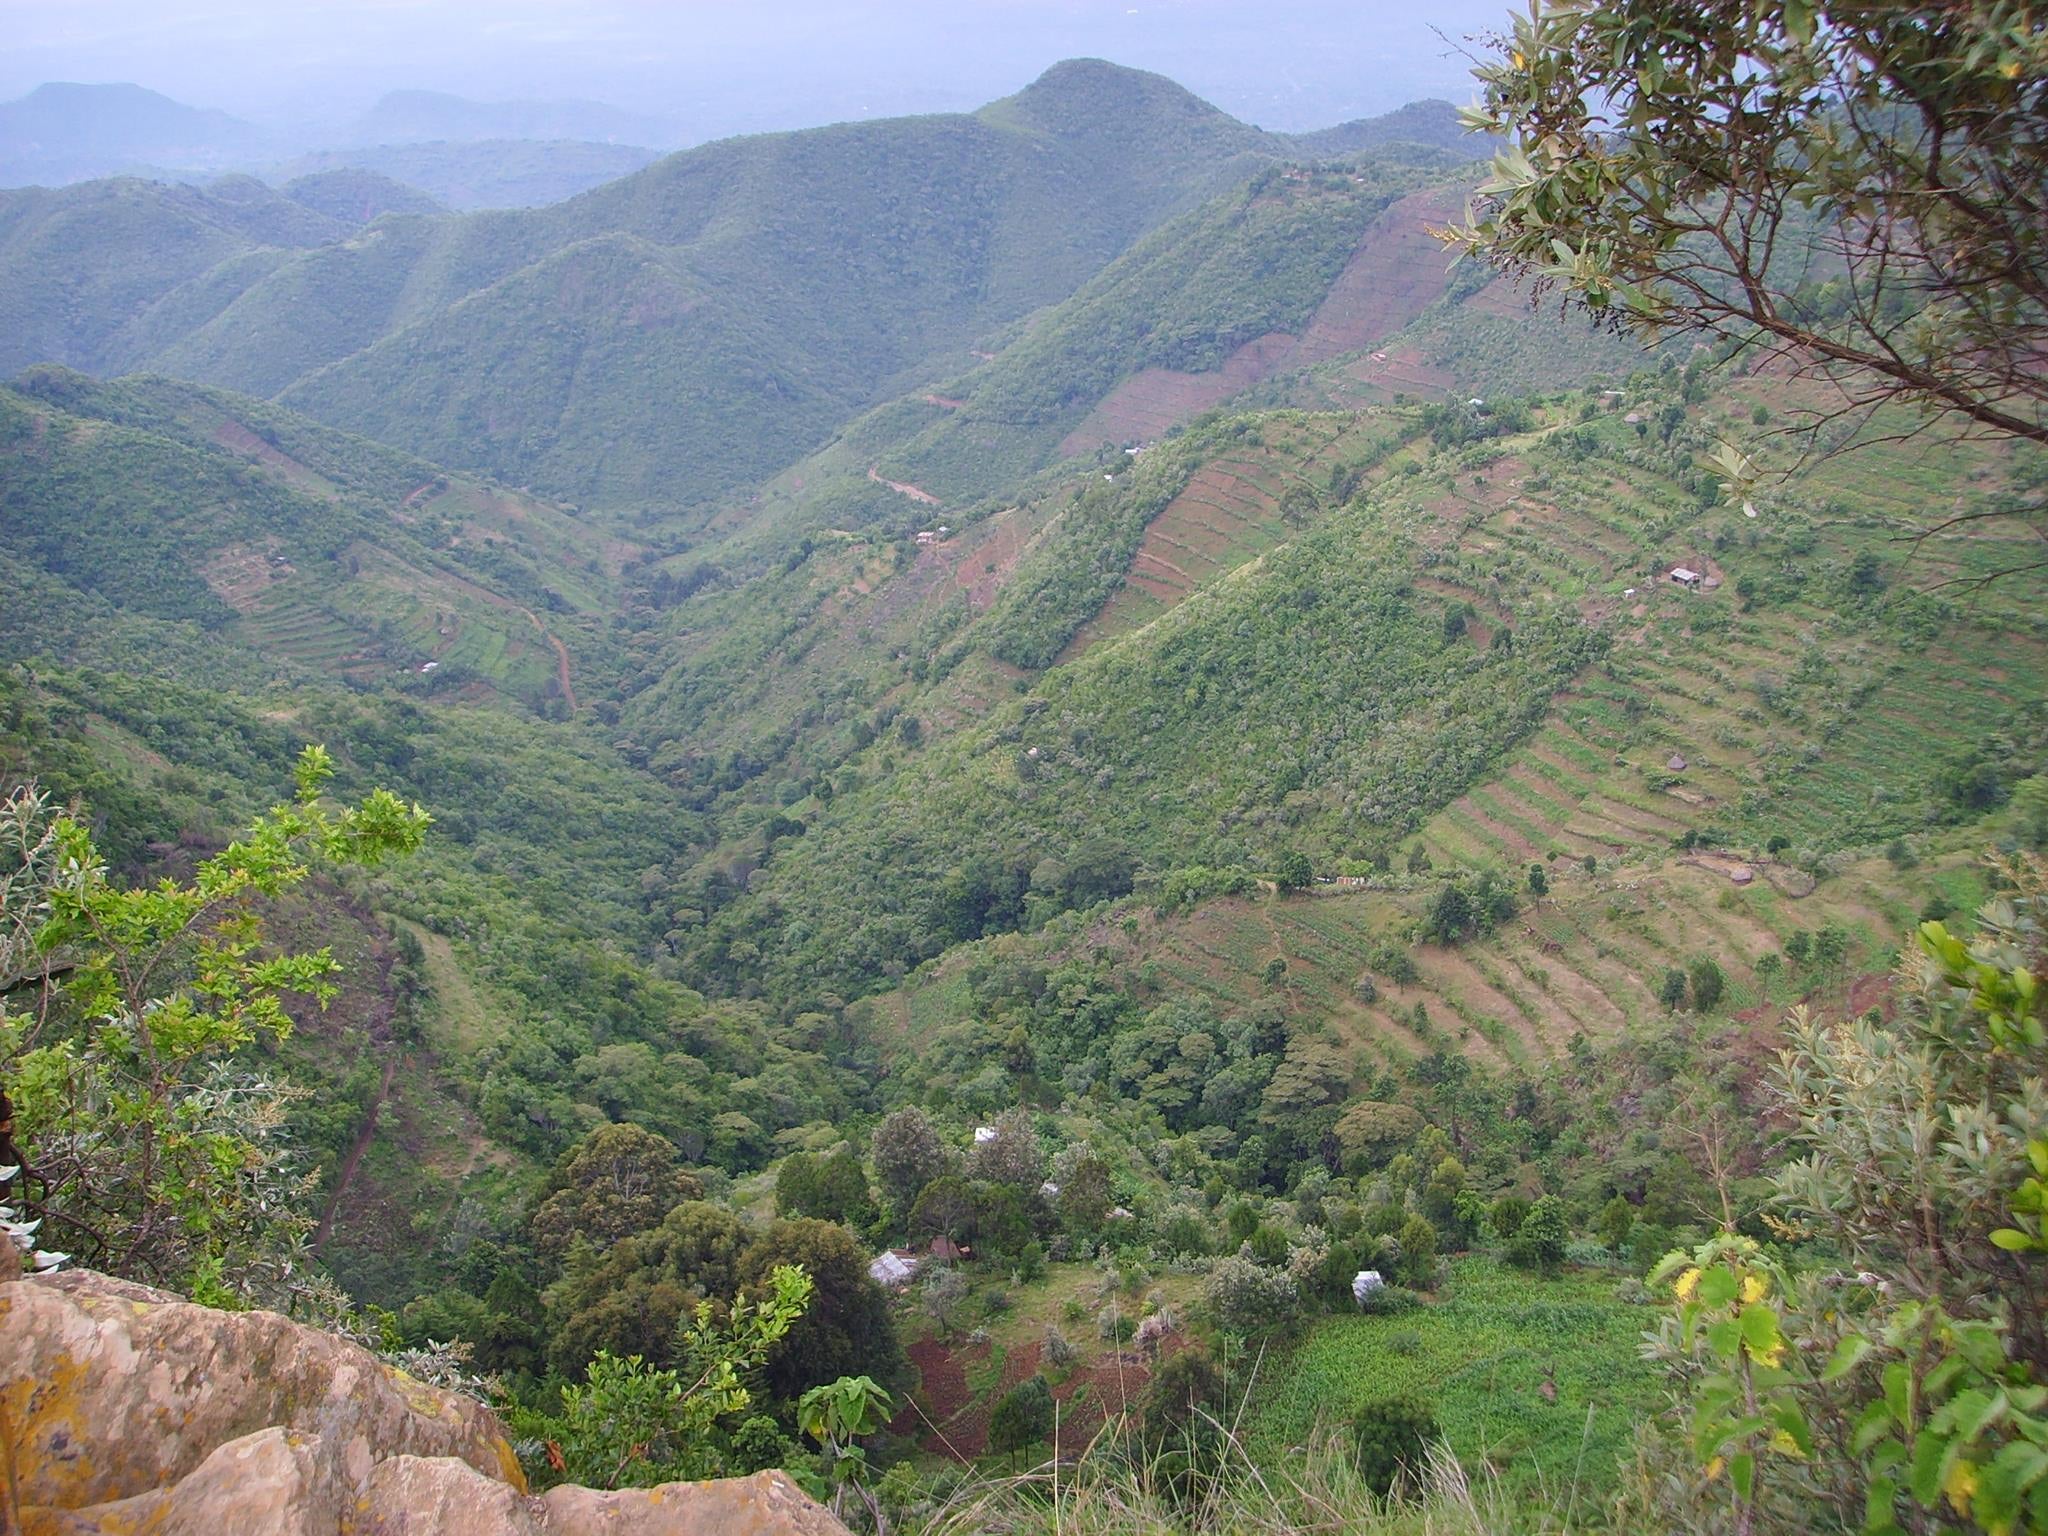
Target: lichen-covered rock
[[134, 1413], [766, 1504], [440, 1496], [115, 1390], [274, 1481]]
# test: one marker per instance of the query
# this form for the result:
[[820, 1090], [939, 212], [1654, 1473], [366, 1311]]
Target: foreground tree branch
[[1861, 187]]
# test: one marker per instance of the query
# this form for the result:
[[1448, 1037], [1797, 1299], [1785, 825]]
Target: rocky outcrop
[[125, 1410]]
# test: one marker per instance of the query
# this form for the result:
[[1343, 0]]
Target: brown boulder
[[766, 1504], [125, 1410], [440, 1496], [274, 1481], [116, 1390]]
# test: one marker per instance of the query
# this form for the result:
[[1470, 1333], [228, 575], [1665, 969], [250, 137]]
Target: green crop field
[[1481, 1356]]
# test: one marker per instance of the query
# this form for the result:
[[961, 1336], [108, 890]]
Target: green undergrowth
[[1482, 1354]]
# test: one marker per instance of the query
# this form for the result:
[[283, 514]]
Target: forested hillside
[[754, 292], [1041, 700]]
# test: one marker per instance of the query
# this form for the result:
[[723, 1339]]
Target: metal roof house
[[891, 1268]]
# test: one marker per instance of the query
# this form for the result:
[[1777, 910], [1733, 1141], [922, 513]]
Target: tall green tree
[[161, 1157], [908, 1155], [847, 1330], [1022, 1418], [618, 1180]]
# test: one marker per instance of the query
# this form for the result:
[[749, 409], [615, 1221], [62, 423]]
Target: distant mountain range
[[490, 173], [61, 133], [660, 339]]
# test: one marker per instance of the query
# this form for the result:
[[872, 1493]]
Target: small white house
[[1365, 1285], [984, 1134], [891, 1269]]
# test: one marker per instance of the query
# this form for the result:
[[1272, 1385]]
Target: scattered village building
[[1675, 762], [1365, 1285], [927, 537], [945, 1251], [984, 1133], [1685, 576], [892, 1269]]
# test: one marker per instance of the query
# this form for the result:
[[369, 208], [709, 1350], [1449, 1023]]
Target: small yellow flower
[[1960, 1485], [1714, 1468], [1755, 1287], [1523, 63], [1783, 1443], [1775, 1355], [1687, 1284]]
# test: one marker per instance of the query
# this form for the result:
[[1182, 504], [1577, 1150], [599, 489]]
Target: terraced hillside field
[[1235, 508], [1747, 761], [301, 544]]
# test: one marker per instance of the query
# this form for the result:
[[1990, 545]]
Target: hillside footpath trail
[[914, 492], [561, 659], [355, 1155]]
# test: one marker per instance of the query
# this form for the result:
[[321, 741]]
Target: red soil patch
[[986, 562], [1140, 409], [241, 573], [951, 1423], [942, 1386], [237, 438], [915, 493], [1866, 992], [1400, 370], [1395, 274]]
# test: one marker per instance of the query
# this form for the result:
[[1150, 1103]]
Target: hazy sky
[[719, 66]]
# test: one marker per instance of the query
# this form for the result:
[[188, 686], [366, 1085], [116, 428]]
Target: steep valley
[[1051, 692]]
